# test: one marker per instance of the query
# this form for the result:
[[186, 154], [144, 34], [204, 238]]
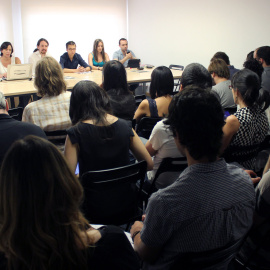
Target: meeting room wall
[[82, 21], [181, 32], [6, 25]]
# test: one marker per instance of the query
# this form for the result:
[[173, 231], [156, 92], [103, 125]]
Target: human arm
[[17, 60], [139, 151], [90, 61], [71, 154], [146, 253], [254, 178], [142, 110], [83, 64], [150, 149], [267, 166], [107, 58], [229, 130]]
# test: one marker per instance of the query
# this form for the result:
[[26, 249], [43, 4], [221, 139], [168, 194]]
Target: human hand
[[253, 176], [137, 226], [129, 55], [81, 69]]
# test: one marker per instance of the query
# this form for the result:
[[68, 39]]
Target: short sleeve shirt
[[119, 56]]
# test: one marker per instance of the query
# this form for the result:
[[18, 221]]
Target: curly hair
[[49, 79]]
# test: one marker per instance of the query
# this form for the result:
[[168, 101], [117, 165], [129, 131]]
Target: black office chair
[[167, 166], [146, 125], [111, 196], [217, 259], [176, 84], [139, 99], [57, 137], [16, 113]]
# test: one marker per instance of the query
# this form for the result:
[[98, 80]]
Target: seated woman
[[99, 140], [161, 89], [115, 84], [247, 128], [7, 58], [51, 112], [97, 58], [41, 224]]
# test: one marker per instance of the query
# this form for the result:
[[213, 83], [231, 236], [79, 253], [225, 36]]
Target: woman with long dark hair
[[247, 128], [115, 84], [41, 226], [98, 139], [161, 89]]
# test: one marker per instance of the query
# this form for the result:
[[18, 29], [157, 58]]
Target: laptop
[[134, 63], [19, 72]]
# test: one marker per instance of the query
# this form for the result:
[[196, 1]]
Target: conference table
[[26, 87]]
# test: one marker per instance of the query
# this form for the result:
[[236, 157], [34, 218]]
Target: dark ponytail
[[248, 84]]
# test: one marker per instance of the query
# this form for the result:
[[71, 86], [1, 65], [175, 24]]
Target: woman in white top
[[7, 58]]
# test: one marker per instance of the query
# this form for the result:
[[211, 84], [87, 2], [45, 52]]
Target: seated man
[[225, 57], [71, 61], [51, 112], [161, 143], [12, 130], [123, 54], [211, 204], [221, 75]]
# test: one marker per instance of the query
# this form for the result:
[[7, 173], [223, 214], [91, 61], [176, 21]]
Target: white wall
[[181, 32], [82, 21], [6, 27]]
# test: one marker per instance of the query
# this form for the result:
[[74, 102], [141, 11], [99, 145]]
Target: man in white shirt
[[40, 52]]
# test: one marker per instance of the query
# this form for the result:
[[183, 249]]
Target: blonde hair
[[49, 79]]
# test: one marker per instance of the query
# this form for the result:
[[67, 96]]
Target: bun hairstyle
[[248, 84]]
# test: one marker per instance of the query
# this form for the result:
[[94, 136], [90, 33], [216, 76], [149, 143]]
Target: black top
[[101, 147], [112, 251], [153, 108], [65, 61], [12, 130], [123, 104]]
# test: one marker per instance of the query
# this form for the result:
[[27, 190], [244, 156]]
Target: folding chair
[[176, 84], [146, 125], [111, 196], [16, 113], [217, 259]]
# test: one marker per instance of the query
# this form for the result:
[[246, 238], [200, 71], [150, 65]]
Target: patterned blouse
[[252, 131]]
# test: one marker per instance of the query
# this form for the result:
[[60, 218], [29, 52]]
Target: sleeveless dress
[[97, 64], [252, 131], [153, 108], [4, 69]]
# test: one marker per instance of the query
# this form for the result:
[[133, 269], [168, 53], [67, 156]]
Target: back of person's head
[[223, 56], [42, 39], [196, 74], [248, 84], [70, 43], [162, 82], [2, 101], [220, 68], [250, 55], [5, 45], [196, 119], [114, 76], [41, 224], [49, 79], [264, 53], [88, 101], [254, 66]]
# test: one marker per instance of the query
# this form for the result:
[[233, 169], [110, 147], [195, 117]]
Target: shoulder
[[90, 55], [64, 55], [232, 121], [31, 129], [144, 104]]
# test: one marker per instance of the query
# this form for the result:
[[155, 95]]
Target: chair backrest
[[167, 172], [139, 99], [112, 196], [217, 259], [146, 125], [16, 113], [57, 136]]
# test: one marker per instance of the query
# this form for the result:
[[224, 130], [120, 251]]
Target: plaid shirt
[[50, 113]]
